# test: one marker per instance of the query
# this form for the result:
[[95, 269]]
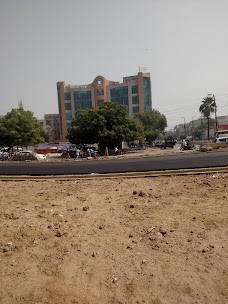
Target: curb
[[118, 175]]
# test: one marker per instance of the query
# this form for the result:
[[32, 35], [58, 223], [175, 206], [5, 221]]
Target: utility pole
[[216, 119]]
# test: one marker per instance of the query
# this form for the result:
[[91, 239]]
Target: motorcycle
[[186, 145]]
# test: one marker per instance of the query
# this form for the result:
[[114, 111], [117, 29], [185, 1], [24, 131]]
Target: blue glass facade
[[67, 96], [134, 89], [82, 100], [135, 99], [68, 116], [135, 109], [147, 94], [67, 106], [120, 95]]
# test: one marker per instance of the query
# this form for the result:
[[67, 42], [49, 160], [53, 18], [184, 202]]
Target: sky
[[182, 43]]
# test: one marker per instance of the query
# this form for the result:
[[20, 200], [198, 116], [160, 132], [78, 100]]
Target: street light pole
[[216, 119]]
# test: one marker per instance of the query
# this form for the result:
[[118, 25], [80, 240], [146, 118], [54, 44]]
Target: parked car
[[36, 155], [168, 143], [221, 139], [40, 156]]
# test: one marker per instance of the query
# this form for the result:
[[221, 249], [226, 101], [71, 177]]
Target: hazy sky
[[183, 44]]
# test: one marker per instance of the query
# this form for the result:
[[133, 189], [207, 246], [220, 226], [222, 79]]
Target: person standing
[[77, 153], [67, 154]]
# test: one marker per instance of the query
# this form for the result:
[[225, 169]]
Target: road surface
[[143, 164]]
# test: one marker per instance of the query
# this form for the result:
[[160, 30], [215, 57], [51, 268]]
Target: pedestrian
[[5, 155], [88, 152], [77, 153], [81, 153], [116, 151], [91, 152], [67, 154]]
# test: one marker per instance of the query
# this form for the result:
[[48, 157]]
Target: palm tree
[[207, 108]]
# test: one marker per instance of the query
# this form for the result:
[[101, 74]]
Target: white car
[[40, 156], [221, 140], [36, 155]]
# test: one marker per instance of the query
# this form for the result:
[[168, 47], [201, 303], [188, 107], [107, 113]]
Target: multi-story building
[[42, 123], [52, 127], [134, 93]]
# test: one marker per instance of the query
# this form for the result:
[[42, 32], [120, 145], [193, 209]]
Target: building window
[[120, 96], [68, 106], [99, 81], [100, 92], [68, 116], [135, 99], [135, 109], [82, 100], [67, 96], [134, 89], [119, 91], [147, 94], [68, 125]]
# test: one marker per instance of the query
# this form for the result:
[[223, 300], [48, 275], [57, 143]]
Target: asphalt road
[[143, 164]]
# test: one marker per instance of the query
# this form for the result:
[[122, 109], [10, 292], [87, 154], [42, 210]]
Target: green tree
[[207, 108], [20, 128], [108, 125], [153, 122]]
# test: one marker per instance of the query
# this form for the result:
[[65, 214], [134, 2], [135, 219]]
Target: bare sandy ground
[[137, 240]]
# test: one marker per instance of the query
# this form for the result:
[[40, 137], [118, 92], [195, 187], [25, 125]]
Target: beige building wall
[[100, 84]]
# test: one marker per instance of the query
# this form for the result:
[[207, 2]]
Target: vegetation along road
[[143, 164]]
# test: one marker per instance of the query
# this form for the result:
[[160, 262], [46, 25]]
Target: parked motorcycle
[[186, 145]]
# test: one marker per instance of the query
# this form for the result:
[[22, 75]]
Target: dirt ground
[[150, 240]]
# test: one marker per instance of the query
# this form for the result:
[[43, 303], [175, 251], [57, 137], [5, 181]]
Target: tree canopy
[[208, 107], [20, 128], [153, 122], [108, 125]]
